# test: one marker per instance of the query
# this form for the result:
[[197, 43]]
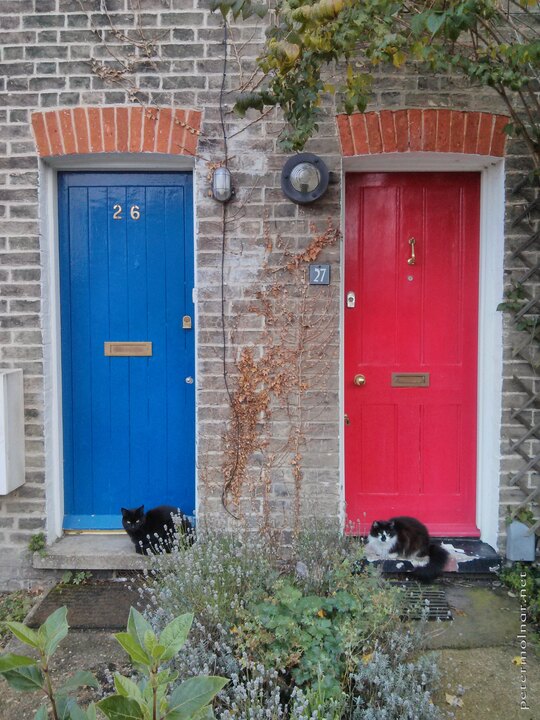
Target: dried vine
[[277, 380], [132, 51]]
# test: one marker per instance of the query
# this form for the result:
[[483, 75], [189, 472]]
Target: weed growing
[[523, 580]]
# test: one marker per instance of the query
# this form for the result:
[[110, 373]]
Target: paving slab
[[491, 683], [482, 617]]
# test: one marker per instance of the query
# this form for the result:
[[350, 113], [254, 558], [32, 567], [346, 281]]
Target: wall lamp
[[304, 178], [222, 189]]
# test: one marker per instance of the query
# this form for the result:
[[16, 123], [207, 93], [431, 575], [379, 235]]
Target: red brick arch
[[121, 129], [430, 130]]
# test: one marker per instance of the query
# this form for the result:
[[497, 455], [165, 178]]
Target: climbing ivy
[[312, 41]]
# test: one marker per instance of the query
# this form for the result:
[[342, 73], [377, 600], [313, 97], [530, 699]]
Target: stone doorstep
[[483, 561], [113, 551]]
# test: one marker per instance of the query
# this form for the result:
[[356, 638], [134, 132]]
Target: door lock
[[351, 299]]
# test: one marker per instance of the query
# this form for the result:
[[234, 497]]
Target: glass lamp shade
[[305, 177], [222, 184]]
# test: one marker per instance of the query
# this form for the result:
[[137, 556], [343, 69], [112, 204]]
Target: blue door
[[126, 282]]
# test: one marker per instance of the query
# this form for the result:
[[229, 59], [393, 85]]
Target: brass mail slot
[[410, 380], [127, 349]]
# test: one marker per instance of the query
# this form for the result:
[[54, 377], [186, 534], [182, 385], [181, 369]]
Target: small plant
[[14, 606], [38, 543], [76, 578], [148, 699], [525, 516]]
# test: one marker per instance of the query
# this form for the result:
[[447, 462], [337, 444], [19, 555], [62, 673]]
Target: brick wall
[[47, 47]]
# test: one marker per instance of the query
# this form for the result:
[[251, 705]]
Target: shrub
[[293, 633], [391, 684]]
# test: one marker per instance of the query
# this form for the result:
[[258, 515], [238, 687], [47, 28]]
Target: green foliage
[[154, 697], [239, 8], [518, 303], [149, 698], [523, 579], [317, 639], [303, 633], [31, 674], [38, 543], [13, 606], [475, 38], [79, 577], [525, 515]]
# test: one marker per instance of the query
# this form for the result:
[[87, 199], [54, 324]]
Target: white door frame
[[490, 335], [50, 299]]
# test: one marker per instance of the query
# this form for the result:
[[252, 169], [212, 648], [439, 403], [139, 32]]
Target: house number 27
[[134, 212]]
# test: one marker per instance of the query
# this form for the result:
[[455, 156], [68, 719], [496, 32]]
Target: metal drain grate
[[419, 600]]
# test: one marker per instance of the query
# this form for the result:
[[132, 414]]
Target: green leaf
[[435, 21], [64, 706], [54, 630], [24, 634], [80, 679], [175, 635], [126, 687], [138, 626], [117, 707], [8, 661], [41, 713], [133, 648], [207, 713], [192, 695], [25, 678], [76, 712]]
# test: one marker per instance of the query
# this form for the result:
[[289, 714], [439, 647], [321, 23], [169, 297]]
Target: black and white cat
[[407, 538], [156, 530]]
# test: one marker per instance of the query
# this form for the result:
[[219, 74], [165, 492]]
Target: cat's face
[[383, 532], [132, 519]]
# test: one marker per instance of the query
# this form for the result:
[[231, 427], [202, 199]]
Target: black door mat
[[102, 605], [428, 602]]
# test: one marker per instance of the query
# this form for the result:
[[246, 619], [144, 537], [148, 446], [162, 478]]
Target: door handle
[[412, 259], [359, 380]]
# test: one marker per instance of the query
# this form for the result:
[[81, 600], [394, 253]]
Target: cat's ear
[[375, 525], [123, 511], [140, 510], [392, 525]]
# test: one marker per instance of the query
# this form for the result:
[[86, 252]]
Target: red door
[[411, 328]]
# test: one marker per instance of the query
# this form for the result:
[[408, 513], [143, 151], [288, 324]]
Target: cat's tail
[[435, 567]]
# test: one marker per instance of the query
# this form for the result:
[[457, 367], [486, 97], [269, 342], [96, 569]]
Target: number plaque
[[319, 274]]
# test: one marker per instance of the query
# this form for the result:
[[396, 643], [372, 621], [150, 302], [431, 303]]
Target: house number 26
[[134, 212]]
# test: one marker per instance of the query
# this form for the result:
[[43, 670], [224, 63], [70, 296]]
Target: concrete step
[[113, 551]]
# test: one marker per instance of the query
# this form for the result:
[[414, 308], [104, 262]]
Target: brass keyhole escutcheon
[[359, 380]]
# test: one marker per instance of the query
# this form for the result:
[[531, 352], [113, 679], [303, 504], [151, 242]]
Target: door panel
[[412, 450], [126, 276]]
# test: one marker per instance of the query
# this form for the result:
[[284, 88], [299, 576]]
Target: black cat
[[406, 537], [155, 531]]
